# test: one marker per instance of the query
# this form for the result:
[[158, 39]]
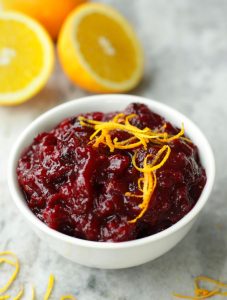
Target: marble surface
[[185, 44]]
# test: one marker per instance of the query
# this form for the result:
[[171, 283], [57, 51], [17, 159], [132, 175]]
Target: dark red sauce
[[80, 190]]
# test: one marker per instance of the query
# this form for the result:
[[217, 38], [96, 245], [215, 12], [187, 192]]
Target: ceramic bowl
[[105, 254]]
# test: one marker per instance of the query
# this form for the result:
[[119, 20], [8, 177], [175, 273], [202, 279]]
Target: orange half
[[99, 50], [26, 58]]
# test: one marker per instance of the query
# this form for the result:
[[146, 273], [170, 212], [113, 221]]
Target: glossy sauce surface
[[79, 190]]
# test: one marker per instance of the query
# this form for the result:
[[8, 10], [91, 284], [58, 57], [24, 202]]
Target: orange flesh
[[107, 48], [21, 61]]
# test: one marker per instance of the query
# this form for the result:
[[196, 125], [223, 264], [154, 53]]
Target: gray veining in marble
[[185, 44]]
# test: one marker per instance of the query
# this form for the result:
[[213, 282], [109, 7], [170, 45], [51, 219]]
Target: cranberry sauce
[[79, 190]]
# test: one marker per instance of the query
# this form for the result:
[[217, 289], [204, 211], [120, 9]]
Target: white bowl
[[105, 254]]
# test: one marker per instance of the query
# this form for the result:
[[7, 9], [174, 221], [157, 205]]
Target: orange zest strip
[[210, 280], [140, 181], [5, 297], [15, 264], [49, 287], [20, 294], [174, 137], [128, 194], [186, 139], [68, 297], [121, 122], [149, 180], [33, 293], [119, 145], [152, 167], [125, 142], [202, 293]]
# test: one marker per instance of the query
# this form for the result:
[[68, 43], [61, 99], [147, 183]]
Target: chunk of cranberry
[[117, 229]]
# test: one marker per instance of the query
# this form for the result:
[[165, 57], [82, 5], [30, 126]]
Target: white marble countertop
[[185, 44]]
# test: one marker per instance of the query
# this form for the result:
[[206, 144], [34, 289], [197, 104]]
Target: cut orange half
[[99, 50], [26, 58]]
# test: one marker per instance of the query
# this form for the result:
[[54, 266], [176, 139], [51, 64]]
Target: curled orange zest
[[15, 263], [102, 133], [149, 180], [202, 293]]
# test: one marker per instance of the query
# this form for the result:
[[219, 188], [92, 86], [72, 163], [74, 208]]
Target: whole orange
[[51, 13]]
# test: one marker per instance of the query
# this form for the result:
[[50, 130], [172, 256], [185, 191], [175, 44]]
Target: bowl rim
[[27, 213]]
